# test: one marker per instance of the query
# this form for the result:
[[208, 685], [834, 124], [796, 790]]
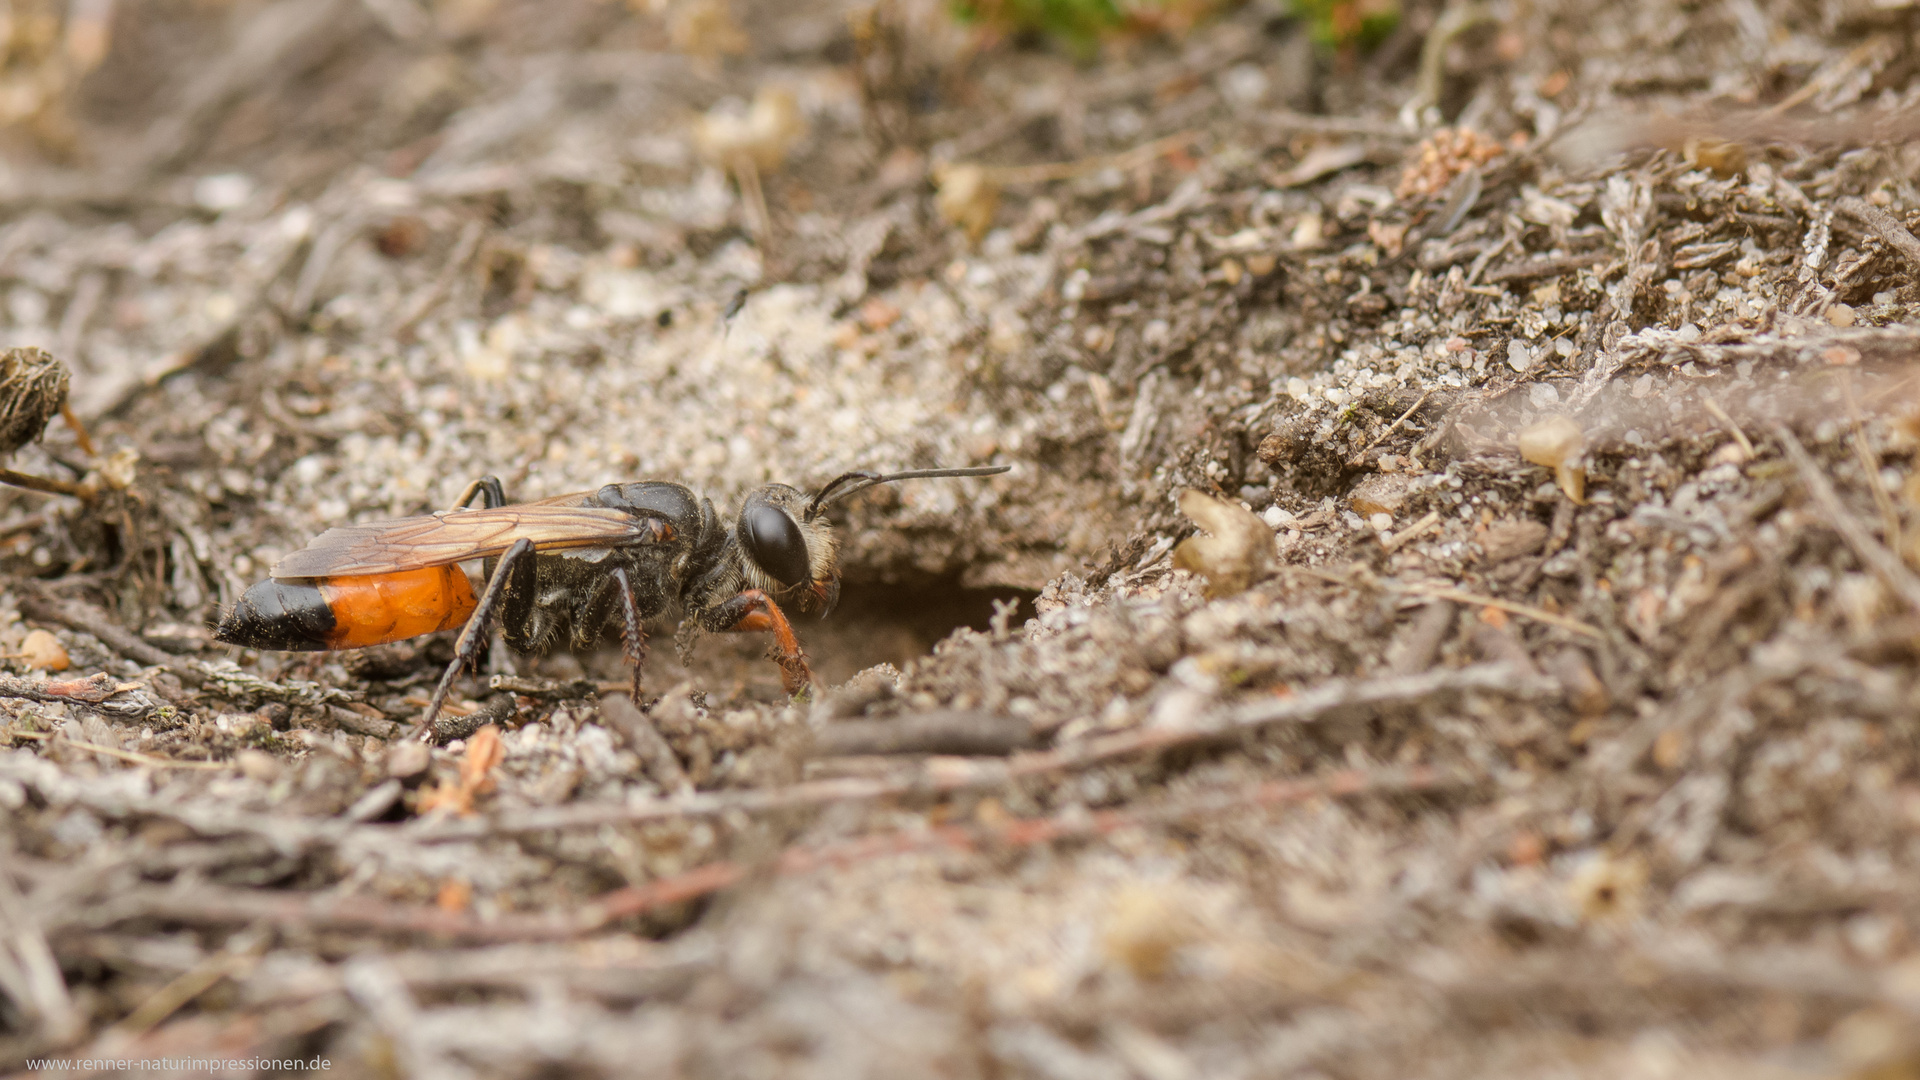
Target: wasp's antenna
[[847, 483]]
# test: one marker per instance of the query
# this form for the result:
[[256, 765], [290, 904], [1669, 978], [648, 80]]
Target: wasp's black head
[[773, 540], [786, 553]]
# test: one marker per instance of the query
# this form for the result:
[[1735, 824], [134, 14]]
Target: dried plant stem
[[464, 247], [124, 755], [43, 484], [1885, 564], [946, 775], [86, 618], [1728, 422], [1884, 225], [1448, 592], [188, 985], [220, 906], [1870, 466], [29, 974], [1125, 160], [1393, 427], [79, 429]]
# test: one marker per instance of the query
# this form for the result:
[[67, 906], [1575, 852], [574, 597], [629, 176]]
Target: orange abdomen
[[376, 609]]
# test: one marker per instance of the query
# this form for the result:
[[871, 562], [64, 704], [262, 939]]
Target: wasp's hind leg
[[633, 637], [492, 496], [488, 488], [753, 610], [512, 574]]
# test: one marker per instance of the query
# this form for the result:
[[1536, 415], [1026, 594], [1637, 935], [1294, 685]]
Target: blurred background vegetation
[[48, 47]]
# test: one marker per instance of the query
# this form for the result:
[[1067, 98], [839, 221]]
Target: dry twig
[[944, 775], [1884, 225], [1885, 564], [972, 732]]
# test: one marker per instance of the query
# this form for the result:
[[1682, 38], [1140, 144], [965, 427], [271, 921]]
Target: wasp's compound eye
[[774, 541]]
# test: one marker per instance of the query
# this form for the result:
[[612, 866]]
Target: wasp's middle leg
[[514, 573], [634, 636], [754, 610]]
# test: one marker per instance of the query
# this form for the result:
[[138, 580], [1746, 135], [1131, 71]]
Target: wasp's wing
[[385, 547]]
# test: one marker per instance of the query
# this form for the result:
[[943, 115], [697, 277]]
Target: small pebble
[[42, 650], [408, 759], [1519, 356], [1381, 522], [258, 765], [1840, 315]]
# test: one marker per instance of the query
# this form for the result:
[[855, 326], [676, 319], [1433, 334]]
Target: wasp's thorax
[[784, 552]]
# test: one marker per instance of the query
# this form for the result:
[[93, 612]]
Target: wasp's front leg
[[753, 610]]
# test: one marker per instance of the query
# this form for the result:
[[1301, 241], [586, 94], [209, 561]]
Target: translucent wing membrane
[[385, 547]]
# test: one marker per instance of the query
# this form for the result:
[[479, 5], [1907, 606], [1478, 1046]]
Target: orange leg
[[752, 611]]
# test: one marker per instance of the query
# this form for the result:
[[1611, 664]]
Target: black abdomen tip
[[287, 615]]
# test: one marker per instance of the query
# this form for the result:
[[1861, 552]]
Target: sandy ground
[[1534, 698]]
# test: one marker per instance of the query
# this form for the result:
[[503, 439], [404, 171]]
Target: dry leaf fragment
[[1609, 889], [484, 751], [258, 765], [1238, 553], [1585, 692], [121, 468], [1720, 157], [455, 895], [706, 31], [1146, 930], [765, 133], [407, 760], [1382, 493], [1445, 154], [1527, 848], [1389, 238], [1511, 539], [1557, 442], [1670, 749], [967, 196], [876, 314], [33, 387]]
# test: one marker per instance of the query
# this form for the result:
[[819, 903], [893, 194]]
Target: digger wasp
[[568, 568]]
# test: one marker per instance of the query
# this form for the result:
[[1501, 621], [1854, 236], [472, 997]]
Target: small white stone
[[1276, 517], [1381, 522], [1243, 85], [222, 191]]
